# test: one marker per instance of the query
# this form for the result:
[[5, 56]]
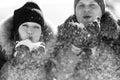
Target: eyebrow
[[37, 26], [25, 25]]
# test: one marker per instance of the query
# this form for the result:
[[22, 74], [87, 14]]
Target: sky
[[56, 11]]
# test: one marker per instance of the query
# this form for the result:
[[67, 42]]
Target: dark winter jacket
[[98, 45]]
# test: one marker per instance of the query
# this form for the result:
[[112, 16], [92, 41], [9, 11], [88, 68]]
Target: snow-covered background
[[55, 10]]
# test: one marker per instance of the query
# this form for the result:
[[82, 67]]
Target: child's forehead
[[87, 1], [30, 24]]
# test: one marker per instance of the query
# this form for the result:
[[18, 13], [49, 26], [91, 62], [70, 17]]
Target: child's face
[[87, 11], [30, 30]]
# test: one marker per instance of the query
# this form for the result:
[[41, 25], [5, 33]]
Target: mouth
[[86, 17], [30, 38]]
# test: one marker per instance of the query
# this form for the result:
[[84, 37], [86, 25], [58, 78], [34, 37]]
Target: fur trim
[[108, 29], [5, 35], [109, 26], [5, 42]]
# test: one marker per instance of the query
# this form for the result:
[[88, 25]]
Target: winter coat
[[2, 58], [6, 42], [91, 53], [10, 66]]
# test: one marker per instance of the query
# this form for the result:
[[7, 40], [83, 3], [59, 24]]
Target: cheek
[[79, 16], [79, 12], [97, 13], [22, 34], [23, 37], [37, 34]]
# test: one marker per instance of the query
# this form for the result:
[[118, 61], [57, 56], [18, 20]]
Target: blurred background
[[114, 7], [56, 11]]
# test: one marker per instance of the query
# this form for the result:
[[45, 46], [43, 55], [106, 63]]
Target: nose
[[30, 32], [86, 9]]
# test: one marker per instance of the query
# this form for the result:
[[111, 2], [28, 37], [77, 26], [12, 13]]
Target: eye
[[81, 5], [25, 26], [92, 5], [36, 27]]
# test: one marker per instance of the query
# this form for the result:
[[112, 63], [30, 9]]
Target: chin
[[86, 23]]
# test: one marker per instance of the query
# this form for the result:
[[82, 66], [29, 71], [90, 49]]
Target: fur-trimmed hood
[[108, 26], [7, 44]]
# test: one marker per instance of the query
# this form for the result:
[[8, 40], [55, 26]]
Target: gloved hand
[[26, 50], [88, 36]]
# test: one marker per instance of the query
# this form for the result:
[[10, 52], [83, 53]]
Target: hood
[[108, 28], [7, 44]]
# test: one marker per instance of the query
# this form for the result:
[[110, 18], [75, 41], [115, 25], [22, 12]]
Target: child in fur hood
[[24, 38], [87, 49]]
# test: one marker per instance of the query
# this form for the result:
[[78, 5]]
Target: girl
[[26, 26]]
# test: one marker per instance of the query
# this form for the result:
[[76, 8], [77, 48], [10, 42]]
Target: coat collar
[[108, 28]]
